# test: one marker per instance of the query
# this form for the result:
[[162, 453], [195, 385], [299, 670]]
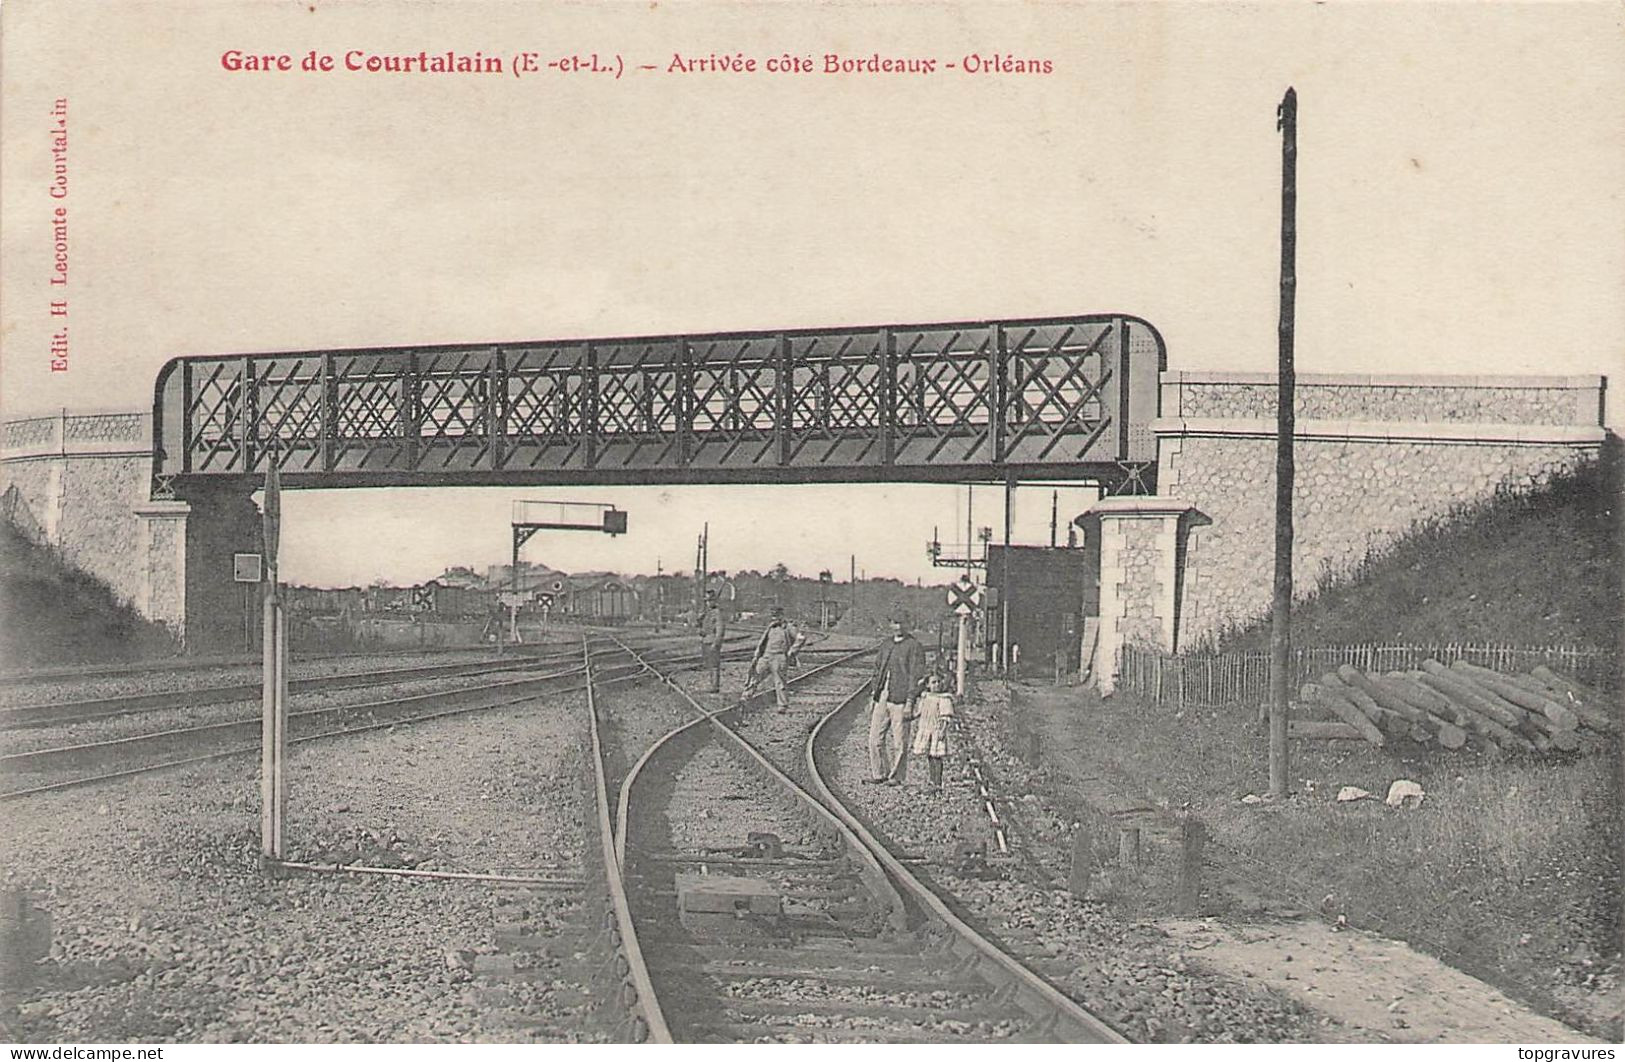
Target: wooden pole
[[1004, 564], [513, 591], [854, 580], [1281, 617]]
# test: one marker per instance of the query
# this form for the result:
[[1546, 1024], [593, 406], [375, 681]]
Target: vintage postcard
[[812, 522]]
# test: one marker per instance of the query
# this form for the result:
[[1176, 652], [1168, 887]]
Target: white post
[[279, 778], [963, 652], [268, 729]]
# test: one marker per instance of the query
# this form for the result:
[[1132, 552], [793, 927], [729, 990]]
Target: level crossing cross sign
[[963, 596]]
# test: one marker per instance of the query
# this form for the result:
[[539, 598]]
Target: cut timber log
[[1449, 734], [1565, 740], [1589, 714], [1547, 736], [1390, 723], [1561, 717], [1344, 709], [1318, 730], [1563, 682], [1468, 717], [1477, 698], [1586, 703], [1406, 684]]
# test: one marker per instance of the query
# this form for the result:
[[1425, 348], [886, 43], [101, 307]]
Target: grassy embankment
[[1509, 870], [53, 615]]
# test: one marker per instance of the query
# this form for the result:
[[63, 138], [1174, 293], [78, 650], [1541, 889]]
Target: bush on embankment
[[54, 615], [1533, 567]]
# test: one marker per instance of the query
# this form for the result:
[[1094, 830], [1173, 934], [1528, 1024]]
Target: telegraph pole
[[1281, 615], [854, 578]]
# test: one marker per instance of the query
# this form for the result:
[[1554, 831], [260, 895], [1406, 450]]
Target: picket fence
[[1218, 680]]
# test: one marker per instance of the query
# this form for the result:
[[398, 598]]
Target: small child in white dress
[[933, 711]]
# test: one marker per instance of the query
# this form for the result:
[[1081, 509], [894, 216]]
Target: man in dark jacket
[[713, 631], [900, 676]]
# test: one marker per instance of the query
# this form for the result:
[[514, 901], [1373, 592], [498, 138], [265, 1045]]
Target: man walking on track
[[778, 647], [900, 675], [713, 628]]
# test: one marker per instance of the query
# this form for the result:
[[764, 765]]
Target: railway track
[[82, 763], [753, 905], [725, 893], [49, 676], [64, 713]]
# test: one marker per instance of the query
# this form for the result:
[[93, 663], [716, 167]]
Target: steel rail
[[1033, 993], [626, 783], [20, 759], [647, 1002], [49, 676], [76, 783], [63, 713], [54, 675], [17, 759], [871, 870]]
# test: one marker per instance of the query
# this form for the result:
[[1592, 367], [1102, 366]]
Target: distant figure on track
[[713, 629], [932, 715], [899, 677], [774, 653]]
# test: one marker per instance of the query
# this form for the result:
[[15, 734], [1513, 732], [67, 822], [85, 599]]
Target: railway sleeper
[[981, 1011], [923, 978], [814, 952], [747, 1033], [805, 889], [744, 862]]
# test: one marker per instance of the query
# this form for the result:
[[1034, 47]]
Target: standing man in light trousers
[[900, 676]]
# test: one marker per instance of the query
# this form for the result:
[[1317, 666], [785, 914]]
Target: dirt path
[[1363, 981]]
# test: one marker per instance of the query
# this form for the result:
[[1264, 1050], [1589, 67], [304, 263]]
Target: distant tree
[[780, 572]]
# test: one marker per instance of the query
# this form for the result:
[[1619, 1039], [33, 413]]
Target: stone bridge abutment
[[80, 483], [1375, 457]]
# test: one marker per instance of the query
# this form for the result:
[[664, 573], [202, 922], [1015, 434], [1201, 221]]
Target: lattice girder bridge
[[1064, 397]]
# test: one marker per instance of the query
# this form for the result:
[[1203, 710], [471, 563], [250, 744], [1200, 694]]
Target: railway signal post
[[530, 517], [963, 597]]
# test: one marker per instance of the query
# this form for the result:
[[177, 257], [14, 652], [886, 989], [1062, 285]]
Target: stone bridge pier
[[80, 483]]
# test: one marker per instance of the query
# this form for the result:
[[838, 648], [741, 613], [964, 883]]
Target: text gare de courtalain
[[237, 61]]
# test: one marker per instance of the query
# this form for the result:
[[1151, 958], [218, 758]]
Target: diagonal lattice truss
[[1057, 396]]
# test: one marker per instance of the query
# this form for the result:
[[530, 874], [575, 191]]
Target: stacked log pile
[[1459, 706]]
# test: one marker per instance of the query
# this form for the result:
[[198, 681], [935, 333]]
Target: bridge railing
[[1054, 391]]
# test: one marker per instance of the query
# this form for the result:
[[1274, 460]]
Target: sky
[[1460, 210]]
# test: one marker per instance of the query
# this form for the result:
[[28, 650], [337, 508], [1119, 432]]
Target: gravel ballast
[[165, 927], [1127, 973]]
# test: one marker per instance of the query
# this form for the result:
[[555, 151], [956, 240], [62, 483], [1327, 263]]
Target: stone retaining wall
[[1373, 460], [78, 483], [1426, 399]]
